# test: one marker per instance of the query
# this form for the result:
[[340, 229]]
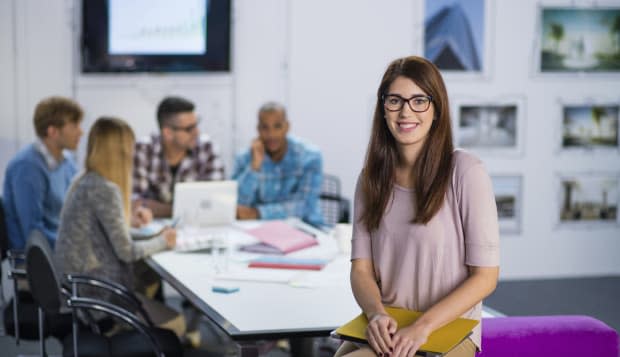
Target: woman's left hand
[[408, 340]]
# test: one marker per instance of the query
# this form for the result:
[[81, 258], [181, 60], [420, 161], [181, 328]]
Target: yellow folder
[[439, 342]]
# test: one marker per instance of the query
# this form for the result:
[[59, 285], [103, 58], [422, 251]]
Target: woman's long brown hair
[[433, 167]]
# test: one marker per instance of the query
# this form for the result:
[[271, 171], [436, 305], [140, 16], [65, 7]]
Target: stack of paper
[[217, 237], [278, 237]]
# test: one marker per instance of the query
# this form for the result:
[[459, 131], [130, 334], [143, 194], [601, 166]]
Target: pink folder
[[280, 238]]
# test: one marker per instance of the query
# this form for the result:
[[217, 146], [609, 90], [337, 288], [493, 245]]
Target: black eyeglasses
[[188, 129], [417, 103]]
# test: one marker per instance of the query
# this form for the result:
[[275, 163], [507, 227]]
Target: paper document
[[278, 237], [439, 342], [222, 237]]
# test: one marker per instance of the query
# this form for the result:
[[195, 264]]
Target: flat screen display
[[155, 35]]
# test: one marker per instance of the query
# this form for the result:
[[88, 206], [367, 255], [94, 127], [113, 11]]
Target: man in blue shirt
[[38, 177], [279, 176]]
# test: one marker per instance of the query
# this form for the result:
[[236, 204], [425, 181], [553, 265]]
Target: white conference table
[[270, 303]]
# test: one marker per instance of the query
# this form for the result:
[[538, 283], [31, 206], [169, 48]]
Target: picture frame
[[490, 127], [456, 36], [508, 191], [589, 126], [587, 199], [578, 39]]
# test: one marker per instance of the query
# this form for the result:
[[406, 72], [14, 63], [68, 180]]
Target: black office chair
[[336, 209], [143, 340], [4, 236], [20, 314]]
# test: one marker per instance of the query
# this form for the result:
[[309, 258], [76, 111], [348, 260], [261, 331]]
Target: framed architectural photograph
[[508, 198], [489, 127], [456, 35], [573, 39], [588, 199], [590, 127]]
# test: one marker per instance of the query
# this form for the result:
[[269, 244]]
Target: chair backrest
[[335, 208], [42, 277]]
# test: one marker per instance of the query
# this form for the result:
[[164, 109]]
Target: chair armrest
[[344, 206], [17, 273], [14, 272], [345, 210], [79, 303], [65, 292], [120, 291], [16, 254], [330, 196]]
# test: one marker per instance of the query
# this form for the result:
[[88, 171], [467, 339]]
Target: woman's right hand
[[170, 235], [381, 328]]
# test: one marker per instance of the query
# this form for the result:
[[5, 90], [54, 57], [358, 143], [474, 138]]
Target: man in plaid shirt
[[279, 176], [178, 154]]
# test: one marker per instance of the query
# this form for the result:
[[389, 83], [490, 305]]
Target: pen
[[175, 221]]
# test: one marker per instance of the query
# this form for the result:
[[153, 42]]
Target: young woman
[[93, 237], [425, 231]]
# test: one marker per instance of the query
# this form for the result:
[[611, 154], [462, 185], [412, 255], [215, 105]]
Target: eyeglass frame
[[188, 129], [408, 101]]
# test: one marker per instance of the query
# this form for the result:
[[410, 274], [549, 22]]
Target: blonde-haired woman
[[93, 237]]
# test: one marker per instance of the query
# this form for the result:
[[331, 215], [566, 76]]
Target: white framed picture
[[588, 199], [489, 127], [589, 127], [509, 201], [456, 36], [578, 39]]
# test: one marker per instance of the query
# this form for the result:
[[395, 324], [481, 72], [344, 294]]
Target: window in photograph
[[454, 34], [590, 127], [489, 127], [579, 39], [507, 189], [588, 199]]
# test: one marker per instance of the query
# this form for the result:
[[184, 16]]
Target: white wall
[[8, 137], [324, 59]]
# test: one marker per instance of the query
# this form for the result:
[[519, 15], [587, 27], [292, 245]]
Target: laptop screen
[[205, 203]]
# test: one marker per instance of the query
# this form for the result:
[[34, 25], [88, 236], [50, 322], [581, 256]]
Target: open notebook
[[441, 341]]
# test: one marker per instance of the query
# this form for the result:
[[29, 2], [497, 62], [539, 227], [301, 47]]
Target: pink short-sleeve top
[[417, 265]]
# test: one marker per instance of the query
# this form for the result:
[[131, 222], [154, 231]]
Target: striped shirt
[[152, 177]]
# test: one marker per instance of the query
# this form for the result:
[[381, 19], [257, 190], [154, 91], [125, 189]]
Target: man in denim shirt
[[279, 176]]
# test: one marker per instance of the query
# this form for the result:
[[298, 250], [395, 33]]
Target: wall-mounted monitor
[[155, 36]]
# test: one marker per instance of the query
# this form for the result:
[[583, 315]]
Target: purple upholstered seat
[[549, 336]]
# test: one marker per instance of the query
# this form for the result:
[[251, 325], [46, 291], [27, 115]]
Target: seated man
[[39, 175], [279, 176], [177, 154]]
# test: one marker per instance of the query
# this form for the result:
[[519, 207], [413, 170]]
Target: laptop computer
[[205, 203]]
